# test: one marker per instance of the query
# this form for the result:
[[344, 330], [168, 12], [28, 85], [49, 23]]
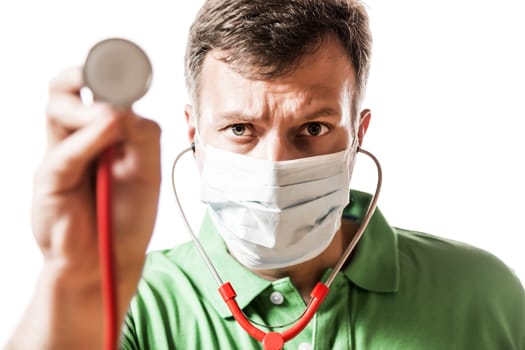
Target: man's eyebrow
[[237, 117], [240, 117], [323, 112]]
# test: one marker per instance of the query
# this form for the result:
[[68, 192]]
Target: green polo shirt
[[401, 290]]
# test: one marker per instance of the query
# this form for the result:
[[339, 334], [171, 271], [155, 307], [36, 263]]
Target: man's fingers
[[70, 81], [66, 113], [68, 161], [77, 134]]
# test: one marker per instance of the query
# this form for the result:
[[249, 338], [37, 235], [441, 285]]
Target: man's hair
[[265, 39]]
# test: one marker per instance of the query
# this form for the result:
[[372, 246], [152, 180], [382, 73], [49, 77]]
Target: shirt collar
[[373, 266], [247, 284]]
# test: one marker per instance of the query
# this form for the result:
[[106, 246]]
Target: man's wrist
[[61, 315]]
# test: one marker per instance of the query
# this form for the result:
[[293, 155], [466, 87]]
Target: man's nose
[[278, 148]]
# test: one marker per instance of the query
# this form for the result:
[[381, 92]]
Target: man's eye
[[239, 129], [314, 129]]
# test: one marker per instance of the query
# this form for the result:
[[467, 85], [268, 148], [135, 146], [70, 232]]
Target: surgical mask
[[275, 214]]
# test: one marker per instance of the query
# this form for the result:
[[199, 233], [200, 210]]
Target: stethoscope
[[275, 340], [118, 71]]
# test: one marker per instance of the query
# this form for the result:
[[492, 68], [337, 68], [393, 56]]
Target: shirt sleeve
[[521, 316], [510, 313], [128, 339]]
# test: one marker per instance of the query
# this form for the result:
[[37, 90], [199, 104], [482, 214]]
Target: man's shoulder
[[169, 260], [462, 266], [462, 286], [163, 269]]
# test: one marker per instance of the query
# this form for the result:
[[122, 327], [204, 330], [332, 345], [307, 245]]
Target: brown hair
[[264, 39]]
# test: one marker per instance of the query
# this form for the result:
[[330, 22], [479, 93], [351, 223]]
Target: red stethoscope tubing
[[105, 248], [273, 340]]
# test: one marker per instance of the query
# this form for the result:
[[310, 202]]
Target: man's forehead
[[329, 50], [327, 70]]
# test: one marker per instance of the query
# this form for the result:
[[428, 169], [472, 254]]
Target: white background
[[446, 91]]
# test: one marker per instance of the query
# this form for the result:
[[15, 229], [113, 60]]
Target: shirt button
[[305, 346], [276, 298]]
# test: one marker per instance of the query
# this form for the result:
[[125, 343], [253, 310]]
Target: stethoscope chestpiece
[[117, 71]]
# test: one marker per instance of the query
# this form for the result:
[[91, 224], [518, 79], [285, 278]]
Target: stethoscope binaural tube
[[276, 340]]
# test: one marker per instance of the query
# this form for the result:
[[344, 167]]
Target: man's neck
[[306, 275]]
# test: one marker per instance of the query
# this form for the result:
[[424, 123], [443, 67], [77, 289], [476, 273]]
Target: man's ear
[[364, 121], [190, 121]]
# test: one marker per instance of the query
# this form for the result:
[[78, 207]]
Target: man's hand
[[67, 303]]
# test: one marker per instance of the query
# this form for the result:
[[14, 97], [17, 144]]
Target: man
[[276, 89]]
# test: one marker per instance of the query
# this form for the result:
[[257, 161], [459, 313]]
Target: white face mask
[[276, 214]]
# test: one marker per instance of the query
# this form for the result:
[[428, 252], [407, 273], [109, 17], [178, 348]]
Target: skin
[[303, 114], [66, 308], [64, 222]]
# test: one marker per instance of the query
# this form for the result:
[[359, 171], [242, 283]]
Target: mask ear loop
[[276, 340]]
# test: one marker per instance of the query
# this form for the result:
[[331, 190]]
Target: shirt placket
[[284, 304], [332, 321]]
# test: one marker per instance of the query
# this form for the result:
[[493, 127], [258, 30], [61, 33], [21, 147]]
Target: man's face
[[303, 114]]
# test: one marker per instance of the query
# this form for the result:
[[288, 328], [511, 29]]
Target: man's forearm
[[62, 317]]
